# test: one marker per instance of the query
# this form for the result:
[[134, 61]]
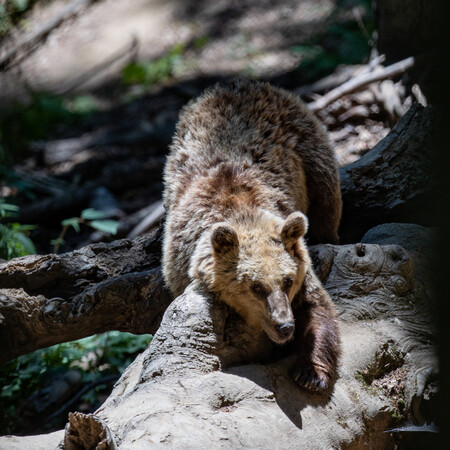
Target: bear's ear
[[295, 227], [223, 238]]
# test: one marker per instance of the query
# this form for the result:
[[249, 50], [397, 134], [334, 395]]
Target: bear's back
[[248, 124]]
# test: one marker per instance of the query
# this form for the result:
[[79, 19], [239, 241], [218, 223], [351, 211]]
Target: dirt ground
[[119, 149], [244, 37]]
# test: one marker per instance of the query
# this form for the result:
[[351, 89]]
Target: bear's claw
[[311, 379]]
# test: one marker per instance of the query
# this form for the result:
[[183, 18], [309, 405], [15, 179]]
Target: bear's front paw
[[311, 378]]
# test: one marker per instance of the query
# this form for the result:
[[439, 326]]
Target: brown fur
[[244, 159]]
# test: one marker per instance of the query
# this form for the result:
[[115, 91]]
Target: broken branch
[[361, 81]]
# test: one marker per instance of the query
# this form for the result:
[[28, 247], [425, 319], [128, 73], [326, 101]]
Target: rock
[[410, 236]]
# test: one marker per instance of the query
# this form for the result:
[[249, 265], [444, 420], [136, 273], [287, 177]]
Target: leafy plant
[[148, 73], [14, 240], [92, 218], [94, 356], [11, 11]]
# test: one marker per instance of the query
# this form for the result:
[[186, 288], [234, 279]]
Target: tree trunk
[[395, 181]]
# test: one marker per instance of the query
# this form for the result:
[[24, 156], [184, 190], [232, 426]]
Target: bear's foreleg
[[317, 340]]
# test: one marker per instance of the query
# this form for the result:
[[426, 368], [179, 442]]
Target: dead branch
[[360, 81], [115, 177], [62, 150], [70, 9], [50, 299], [341, 75], [156, 213], [130, 49]]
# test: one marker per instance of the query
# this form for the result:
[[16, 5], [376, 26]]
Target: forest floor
[[102, 94]]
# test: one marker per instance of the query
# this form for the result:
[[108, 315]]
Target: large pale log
[[202, 382], [207, 380]]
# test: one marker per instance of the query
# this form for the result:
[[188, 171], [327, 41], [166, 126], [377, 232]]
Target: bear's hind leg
[[325, 210]]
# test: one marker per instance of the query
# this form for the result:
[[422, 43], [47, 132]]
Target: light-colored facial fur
[[256, 264]]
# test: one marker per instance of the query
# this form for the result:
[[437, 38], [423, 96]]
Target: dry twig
[[361, 81]]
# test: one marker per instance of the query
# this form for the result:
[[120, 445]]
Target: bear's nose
[[285, 330]]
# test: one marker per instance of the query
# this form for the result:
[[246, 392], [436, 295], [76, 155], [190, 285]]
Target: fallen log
[[46, 300], [207, 379], [393, 182], [115, 177]]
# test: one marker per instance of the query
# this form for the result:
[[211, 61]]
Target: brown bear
[[247, 164]]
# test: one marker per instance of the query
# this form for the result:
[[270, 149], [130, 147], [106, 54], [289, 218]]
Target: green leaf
[[14, 243], [23, 228], [6, 209], [106, 226], [9, 390], [72, 222], [83, 104], [134, 73], [92, 214], [200, 41], [26, 242]]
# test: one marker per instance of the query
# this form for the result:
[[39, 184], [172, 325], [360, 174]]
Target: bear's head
[[255, 263]]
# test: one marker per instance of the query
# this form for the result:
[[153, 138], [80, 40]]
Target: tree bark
[[46, 300], [395, 181]]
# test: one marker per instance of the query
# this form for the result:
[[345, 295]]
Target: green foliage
[[156, 71], [200, 42], [341, 43], [94, 357], [92, 218], [92, 214], [14, 240], [82, 105], [105, 226], [11, 12]]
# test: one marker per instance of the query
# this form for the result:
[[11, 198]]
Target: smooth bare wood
[[361, 81]]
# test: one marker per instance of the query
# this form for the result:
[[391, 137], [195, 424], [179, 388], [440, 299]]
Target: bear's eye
[[257, 288], [287, 283]]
